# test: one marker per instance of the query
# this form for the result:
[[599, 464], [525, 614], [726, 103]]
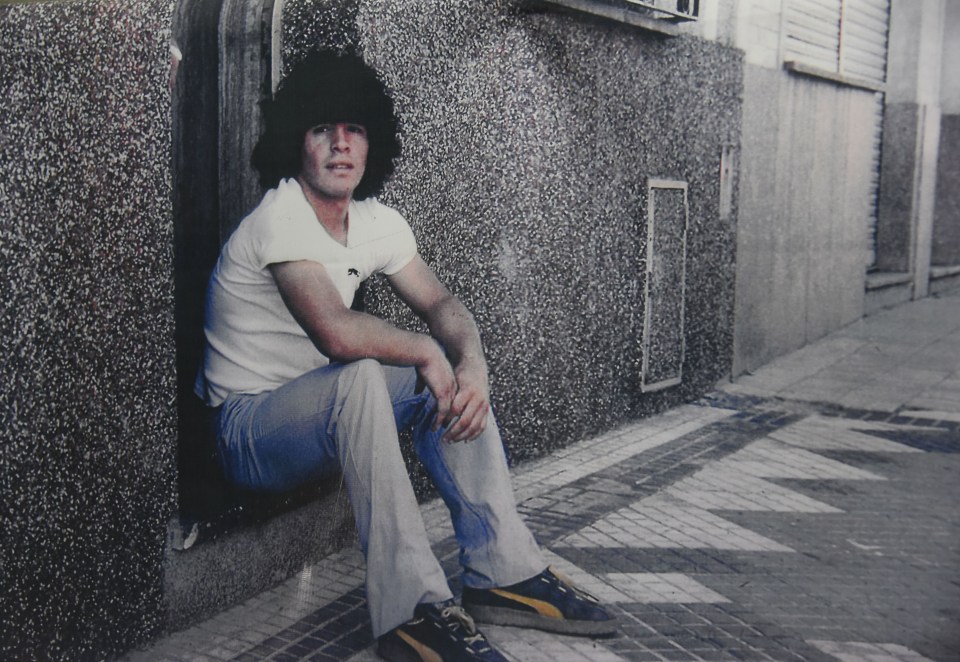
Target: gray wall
[[528, 140], [802, 236], [87, 467], [946, 221]]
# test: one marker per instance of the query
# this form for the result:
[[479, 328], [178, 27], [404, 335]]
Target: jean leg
[[344, 411], [496, 547], [277, 441]]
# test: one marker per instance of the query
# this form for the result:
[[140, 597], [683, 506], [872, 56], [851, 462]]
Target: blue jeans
[[346, 417]]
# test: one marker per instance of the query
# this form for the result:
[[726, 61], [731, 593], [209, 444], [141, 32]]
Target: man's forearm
[[454, 327], [340, 333], [359, 336]]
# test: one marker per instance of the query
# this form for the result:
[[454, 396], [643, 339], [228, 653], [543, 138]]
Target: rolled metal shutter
[[874, 191], [863, 55], [813, 33], [863, 40], [843, 37], [847, 38]]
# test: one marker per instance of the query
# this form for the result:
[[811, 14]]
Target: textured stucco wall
[[946, 222], [86, 352], [950, 75], [902, 122], [802, 235], [528, 140], [946, 219]]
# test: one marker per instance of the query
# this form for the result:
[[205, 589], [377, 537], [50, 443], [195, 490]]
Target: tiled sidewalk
[[806, 512]]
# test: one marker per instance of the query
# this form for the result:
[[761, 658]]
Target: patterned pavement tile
[[595, 584], [523, 645], [745, 527], [616, 588], [728, 488], [586, 458], [768, 458], [933, 413], [832, 433], [662, 587], [661, 521], [853, 651]]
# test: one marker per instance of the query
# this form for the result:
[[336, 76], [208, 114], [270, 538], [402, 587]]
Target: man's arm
[[346, 335], [452, 324]]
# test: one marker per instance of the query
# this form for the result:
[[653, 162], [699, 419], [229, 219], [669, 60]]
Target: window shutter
[[863, 52], [847, 38], [863, 55], [874, 190], [813, 33], [843, 37]]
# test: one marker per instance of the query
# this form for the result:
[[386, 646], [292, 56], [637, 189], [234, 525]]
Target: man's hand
[[472, 401], [454, 327], [439, 377]]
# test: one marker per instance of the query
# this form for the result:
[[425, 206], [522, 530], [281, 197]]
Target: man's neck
[[331, 212]]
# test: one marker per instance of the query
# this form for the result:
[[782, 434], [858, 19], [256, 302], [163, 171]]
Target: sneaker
[[437, 633], [548, 601]]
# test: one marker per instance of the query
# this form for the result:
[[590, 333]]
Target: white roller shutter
[[874, 180], [848, 39], [813, 33], [843, 37], [863, 49]]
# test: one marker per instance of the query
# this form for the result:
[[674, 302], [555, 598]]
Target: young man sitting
[[305, 386]]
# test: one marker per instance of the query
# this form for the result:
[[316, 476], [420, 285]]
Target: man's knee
[[365, 368], [363, 375]]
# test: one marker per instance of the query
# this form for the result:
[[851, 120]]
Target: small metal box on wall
[[665, 289]]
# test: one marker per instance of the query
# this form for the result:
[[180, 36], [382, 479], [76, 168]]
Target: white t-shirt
[[253, 343]]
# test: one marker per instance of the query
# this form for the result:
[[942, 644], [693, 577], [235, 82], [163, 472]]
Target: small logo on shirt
[[353, 272]]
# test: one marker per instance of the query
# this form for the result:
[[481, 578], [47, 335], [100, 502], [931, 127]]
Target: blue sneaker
[[440, 632], [549, 601]]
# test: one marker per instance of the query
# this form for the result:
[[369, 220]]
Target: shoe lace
[[455, 616]]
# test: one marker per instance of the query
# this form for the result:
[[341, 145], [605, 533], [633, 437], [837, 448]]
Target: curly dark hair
[[328, 87]]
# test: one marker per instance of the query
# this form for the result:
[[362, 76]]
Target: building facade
[[846, 198], [636, 199]]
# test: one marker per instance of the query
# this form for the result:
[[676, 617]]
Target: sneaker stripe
[[542, 607], [426, 653]]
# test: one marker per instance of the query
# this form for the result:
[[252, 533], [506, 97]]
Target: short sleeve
[[288, 239], [404, 249], [283, 228], [383, 234]]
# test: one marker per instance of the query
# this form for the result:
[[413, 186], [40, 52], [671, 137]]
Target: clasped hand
[[462, 394]]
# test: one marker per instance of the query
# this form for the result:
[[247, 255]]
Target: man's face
[[334, 159]]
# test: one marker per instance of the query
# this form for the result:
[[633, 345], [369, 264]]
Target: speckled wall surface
[[528, 139], [946, 220], [87, 468]]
